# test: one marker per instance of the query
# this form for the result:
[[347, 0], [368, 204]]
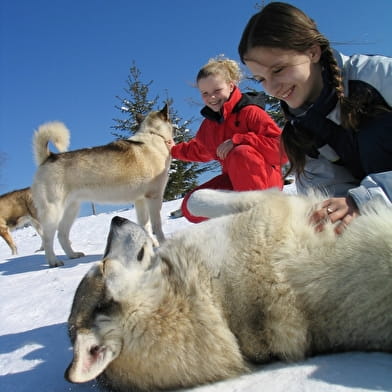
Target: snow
[[36, 300]]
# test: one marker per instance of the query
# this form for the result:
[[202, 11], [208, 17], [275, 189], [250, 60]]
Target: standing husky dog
[[16, 209], [257, 284], [132, 170]]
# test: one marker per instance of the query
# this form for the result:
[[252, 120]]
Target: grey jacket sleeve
[[373, 187]]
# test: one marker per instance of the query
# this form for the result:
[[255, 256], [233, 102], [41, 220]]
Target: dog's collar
[[168, 143]]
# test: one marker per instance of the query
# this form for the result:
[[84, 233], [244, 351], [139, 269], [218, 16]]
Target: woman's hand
[[341, 209], [224, 148]]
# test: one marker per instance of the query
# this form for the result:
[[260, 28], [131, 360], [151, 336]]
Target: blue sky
[[68, 60]]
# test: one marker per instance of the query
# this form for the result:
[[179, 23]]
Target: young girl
[[236, 132], [338, 109]]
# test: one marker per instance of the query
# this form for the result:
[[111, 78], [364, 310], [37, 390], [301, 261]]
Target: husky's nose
[[119, 221]]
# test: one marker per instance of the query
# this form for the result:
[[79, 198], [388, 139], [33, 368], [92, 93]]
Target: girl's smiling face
[[215, 91], [291, 76]]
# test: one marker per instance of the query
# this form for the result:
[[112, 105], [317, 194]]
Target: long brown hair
[[281, 25]]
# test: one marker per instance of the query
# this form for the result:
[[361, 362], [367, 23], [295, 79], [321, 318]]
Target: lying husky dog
[[257, 284], [17, 209], [133, 170]]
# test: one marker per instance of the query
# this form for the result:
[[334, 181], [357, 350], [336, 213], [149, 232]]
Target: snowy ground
[[36, 300]]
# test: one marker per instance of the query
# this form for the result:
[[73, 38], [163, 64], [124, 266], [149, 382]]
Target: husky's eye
[[140, 255]]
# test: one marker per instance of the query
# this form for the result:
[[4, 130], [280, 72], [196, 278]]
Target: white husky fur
[[133, 170], [256, 284]]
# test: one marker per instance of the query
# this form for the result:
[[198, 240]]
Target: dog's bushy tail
[[212, 203], [55, 132]]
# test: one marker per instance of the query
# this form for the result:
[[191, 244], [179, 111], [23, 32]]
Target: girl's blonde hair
[[229, 70], [281, 25]]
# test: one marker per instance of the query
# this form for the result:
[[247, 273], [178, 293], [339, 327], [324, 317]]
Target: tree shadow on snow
[[50, 352], [37, 262]]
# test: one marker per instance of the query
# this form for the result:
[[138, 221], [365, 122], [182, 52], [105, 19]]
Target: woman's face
[[215, 91], [291, 76]]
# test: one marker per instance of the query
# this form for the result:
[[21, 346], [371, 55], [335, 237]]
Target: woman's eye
[[277, 70]]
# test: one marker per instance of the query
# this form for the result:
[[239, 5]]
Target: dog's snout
[[118, 221]]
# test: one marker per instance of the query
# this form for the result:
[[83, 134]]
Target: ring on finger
[[329, 210]]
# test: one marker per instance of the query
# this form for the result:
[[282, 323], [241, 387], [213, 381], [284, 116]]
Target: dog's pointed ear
[[90, 358], [165, 112], [139, 118]]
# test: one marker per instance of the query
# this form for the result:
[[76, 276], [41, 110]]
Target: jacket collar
[[256, 98]]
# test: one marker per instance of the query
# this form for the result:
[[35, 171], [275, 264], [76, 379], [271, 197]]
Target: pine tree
[[136, 104], [183, 176]]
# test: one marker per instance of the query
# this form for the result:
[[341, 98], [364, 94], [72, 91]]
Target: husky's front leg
[[143, 219], [154, 207]]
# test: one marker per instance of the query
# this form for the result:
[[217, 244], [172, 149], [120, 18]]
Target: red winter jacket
[[242, 123]]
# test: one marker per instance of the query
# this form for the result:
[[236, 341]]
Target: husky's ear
[[139, 118], [90, 358], [165, 112]]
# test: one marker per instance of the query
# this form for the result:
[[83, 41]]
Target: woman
[[338, 108]]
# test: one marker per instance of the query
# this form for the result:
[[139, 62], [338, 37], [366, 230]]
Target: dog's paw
[[55, 263]]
